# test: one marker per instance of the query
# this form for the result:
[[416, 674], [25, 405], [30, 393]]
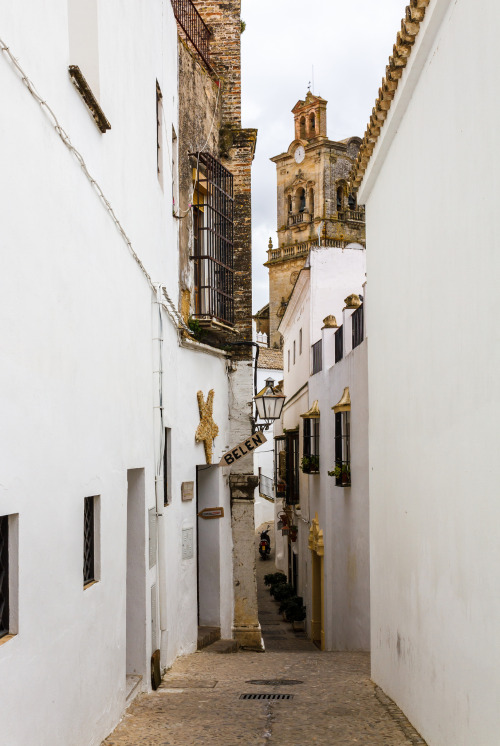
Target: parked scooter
[[265, 544]]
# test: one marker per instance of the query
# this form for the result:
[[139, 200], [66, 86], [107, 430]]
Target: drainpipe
[[159, 449]]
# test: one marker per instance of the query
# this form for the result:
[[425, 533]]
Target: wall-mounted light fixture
[[269, 405]]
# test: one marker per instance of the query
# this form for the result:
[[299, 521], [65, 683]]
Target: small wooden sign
[[187, 491], [211, 513], [243, 449]]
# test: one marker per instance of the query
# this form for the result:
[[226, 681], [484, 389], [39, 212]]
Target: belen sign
[[243, 449]]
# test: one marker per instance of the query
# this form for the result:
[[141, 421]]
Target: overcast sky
[[348, 42]]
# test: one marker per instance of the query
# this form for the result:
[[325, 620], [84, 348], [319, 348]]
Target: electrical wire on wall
[[168, 304]]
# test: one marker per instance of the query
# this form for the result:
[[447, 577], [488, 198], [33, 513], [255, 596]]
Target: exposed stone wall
[[282, 277], [224, 21], [199, 96]]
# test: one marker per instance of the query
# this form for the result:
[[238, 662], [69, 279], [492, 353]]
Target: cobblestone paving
[[198, 702]]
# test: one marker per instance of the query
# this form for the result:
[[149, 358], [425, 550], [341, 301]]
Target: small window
[[300, 342], [294, 352], [302, 200], [159, 134], [310, 458], [9, 580], [351, 201], [89, 541], [166, 467], [342, 471], [290, 204], [312, 124]]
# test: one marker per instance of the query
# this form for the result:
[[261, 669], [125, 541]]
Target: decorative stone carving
[[330, 323], [316, 541], [313, 413], [207, 430], [344, 404], [352, 302]]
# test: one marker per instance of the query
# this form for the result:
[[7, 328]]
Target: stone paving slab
[[336, 704]]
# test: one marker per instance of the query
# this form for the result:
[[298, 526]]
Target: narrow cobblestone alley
[[332, 700]]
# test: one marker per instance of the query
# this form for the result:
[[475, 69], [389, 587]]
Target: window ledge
[[88, 585], [85, 92], [6, 638]]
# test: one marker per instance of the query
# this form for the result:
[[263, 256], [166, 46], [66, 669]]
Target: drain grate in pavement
[[266, 696], [275, 682]]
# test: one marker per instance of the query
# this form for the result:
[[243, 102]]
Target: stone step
[[223, 646], [207, 635]]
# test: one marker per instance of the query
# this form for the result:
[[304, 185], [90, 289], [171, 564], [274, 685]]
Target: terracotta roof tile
[[410, 26], [270, 358]]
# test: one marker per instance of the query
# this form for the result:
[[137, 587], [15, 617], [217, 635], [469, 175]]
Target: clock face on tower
[[300, 154]]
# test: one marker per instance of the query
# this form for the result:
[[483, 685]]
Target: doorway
[[208, 554], [136, 580]]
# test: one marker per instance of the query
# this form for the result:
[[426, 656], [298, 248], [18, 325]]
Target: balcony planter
[[310, 464], [342, 474]]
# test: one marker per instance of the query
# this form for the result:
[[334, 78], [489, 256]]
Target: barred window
[[88, 541], [213, 206], [310, 450], [342, 470]]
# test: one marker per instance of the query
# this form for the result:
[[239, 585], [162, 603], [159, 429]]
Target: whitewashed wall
[[343, 513], [78, 381], [431, 194]]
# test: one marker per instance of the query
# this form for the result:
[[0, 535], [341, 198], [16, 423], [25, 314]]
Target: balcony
[[194, 28], [301, 217], [357, 327], [285, 252]]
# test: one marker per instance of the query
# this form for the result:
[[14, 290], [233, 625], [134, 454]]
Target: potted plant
[[309, 464], [342, 473], [293, 609]]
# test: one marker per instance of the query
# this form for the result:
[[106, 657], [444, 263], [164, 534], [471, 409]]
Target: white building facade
[[101, 477], [433, 362], [325, 366]]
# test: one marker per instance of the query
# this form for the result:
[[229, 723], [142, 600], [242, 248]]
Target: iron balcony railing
[[339, 344], [194, 27], [317, 357], [357, 327]]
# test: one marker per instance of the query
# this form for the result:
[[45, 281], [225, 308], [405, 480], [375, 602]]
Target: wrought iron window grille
[[280, 465], [292, 468], [88, 541], [194, 28], [4, 576], [213, 218], [343, 449], [310, 448], [357, 327]]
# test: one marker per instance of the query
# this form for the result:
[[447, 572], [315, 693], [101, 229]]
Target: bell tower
[[314, 202]]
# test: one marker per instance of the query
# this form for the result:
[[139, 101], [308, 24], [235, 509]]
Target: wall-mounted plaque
[[187, 490]]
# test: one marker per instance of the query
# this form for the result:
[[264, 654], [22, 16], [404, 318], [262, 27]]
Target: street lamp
[[269, 404]]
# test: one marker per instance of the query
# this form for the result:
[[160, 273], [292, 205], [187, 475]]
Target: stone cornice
[[410, 26]]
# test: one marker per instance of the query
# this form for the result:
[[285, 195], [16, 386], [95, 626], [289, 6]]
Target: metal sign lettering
[[243, 449], [211, 513]]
